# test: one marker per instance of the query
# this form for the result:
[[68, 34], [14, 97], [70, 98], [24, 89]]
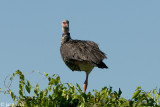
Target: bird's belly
[[86, 67], [79, 66]]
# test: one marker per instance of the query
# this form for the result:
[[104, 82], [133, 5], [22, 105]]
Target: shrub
[[59, 94]]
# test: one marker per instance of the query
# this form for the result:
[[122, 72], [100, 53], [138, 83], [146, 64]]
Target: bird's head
[[65, 26]]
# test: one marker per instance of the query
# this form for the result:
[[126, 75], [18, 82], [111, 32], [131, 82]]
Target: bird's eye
[[64, 22]]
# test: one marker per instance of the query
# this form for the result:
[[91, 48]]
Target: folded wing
[[87, 51]]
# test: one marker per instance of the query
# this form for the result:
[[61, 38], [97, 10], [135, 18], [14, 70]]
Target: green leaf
[[9, 91], [49, 78], [41, 94], [157, 98], [21, 93], [28, 87], [18, 72], [70, 85], [13, 96], [138, 88], [52, 82], [136, 94], [119, 92], [49, 88], [79, 88], [54, 75], [37, 86], [149, 95], [46, 75], [94, 90], [82, 105], [45, 92], [154, 91], [20, 86], [36, 89], [22, 77], [11, 78], [56, 81]]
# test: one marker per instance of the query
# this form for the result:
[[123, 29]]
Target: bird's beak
[[64, 24]]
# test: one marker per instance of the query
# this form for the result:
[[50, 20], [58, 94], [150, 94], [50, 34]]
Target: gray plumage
[[76, 52]]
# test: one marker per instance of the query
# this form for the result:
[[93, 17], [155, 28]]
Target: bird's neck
[[65, 37], [65, 29]]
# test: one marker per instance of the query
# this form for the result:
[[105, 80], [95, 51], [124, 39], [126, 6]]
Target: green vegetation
[[58, 94]]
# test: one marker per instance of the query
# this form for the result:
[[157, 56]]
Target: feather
[[77, 50]]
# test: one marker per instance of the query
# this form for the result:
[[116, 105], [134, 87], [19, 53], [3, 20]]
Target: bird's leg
[[85, 83]]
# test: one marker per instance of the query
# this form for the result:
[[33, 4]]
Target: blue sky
[[127, 31]]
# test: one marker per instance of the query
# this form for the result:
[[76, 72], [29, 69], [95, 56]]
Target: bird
[[80, 55]]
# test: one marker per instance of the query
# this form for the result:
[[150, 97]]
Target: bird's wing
[[82, 51]]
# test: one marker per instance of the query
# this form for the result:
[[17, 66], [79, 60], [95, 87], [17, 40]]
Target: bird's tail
[[102, 65]]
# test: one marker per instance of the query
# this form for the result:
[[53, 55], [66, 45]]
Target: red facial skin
[[64, 23]]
